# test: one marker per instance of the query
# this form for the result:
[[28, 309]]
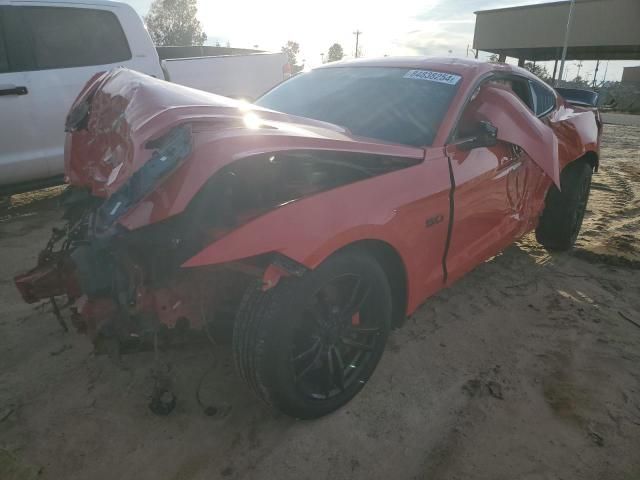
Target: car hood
[[121, 123], [118, 113]]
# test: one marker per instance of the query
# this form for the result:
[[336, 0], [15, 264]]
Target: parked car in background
[[314, 221], [579, 96], [50, 49]]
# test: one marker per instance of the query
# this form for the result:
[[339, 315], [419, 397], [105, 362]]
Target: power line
[[357, 33], [566, 38]]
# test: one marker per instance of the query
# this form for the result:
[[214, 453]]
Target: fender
[[381, 208], [578, 131]]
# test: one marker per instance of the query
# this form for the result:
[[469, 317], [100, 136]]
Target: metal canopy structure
[[602, 30]]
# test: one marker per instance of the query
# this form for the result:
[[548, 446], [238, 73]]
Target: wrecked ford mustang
[[317, 219]]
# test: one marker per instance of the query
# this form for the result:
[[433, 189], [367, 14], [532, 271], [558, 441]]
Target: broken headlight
[[169, 151]]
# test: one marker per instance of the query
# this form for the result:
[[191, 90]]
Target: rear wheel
[[308, 345], [564, 210]]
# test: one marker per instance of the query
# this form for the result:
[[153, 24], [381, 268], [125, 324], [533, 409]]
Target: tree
[[292, 49], [494, 58], [174, 22], [335, 53], [539, 71], [578, 81]]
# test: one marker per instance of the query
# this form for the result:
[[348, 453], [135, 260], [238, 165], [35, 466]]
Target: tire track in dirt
[[611, 229]]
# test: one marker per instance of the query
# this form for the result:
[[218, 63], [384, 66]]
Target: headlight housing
[[169, 151]]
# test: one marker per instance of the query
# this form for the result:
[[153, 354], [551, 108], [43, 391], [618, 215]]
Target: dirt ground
[[526, 369]]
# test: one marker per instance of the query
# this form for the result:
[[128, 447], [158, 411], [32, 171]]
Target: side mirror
[[486, 135]]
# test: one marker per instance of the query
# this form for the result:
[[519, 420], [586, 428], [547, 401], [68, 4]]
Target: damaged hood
[[113, 122], [148, 146]]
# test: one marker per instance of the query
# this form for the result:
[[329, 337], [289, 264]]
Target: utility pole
[[595, 74], [579, 68], [357, 34], [606, 69], [566, 38], [322, 57]]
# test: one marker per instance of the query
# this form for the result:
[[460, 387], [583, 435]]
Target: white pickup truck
[[50, 48]]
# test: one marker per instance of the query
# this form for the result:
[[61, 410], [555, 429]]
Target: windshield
[[396, 105]]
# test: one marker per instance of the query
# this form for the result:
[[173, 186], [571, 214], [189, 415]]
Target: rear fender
[[578, 131]]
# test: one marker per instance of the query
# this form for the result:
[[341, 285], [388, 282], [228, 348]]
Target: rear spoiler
[[579, 96]]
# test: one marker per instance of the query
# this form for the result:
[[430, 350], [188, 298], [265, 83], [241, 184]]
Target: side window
[[544, 99], [64, 37], [519, 87], [4, 60]]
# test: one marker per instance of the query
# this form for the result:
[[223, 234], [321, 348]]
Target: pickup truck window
[[391, 104], [64, 37], [4, 62]]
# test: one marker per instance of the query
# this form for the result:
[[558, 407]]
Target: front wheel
[[308, 345], [564, 210]]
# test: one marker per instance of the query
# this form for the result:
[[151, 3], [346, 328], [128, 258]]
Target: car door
[[494, 183], [487, 203], [16, 106]]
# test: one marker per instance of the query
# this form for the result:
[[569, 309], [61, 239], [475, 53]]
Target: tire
[[564, 210], [308, 345]]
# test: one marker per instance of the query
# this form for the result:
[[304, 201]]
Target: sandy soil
[[615, 118], [526, 369]]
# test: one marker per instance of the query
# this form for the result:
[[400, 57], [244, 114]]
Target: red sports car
[[317, 219]]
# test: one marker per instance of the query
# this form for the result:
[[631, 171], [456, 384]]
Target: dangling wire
[[209, 410]]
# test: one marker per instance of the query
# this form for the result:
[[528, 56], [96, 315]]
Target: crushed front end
[[178, 200], [125, 286]]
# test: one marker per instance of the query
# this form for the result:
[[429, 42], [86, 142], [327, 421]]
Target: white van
[[48, 51]]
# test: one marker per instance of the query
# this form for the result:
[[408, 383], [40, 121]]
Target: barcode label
[[440, 77]]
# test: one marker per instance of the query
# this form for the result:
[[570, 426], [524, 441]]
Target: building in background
[[602, 30], [631, 75]]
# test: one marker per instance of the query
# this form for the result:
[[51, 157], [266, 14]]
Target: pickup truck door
[[16, 107], [54, 49]]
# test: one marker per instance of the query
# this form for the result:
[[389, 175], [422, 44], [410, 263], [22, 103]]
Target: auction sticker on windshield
[[440, 77]]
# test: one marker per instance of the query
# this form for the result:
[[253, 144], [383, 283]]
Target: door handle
[[13, 90]]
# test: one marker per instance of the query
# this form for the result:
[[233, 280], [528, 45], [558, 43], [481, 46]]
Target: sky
[[397, 27]]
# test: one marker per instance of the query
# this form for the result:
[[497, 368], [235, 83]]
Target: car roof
[[460, 66], [70, 3]]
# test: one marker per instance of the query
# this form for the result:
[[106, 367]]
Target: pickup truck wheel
[[564, 210], [308, 345]]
